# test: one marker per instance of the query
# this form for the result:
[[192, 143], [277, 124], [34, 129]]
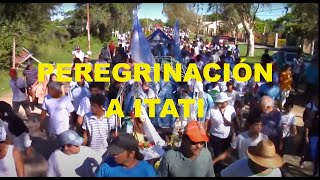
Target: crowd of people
[[84, 142]]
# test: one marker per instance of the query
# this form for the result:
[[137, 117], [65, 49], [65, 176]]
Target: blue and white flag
[[176, 38], [139, 47]]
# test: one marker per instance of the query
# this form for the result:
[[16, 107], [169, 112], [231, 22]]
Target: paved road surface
[[36, 165]]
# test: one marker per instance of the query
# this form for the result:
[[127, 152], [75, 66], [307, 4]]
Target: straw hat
[[264, 154]]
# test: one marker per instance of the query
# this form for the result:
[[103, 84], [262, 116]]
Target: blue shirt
[[111, 169], [312, 76], [231, 61]]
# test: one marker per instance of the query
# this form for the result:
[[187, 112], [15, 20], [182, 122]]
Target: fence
[[265, 39]]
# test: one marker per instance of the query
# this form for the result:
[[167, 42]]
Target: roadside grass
[[257, 54], [53, 52]]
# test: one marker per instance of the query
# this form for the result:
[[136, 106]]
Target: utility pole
[[14, 52], [216, 19], [88, 29]]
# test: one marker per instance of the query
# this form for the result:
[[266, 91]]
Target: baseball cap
[[3, 133], [70, 137], [124, 142], [195, 131], [12, 72]]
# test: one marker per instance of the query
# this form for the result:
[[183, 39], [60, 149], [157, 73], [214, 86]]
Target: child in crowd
[[287, 125], [232, 94]]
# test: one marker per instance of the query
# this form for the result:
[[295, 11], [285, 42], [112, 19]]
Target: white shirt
[[287, 120], [59, 111], [196, 87], [216, 58], [243, 141], [218, 128], [82, 164], [7, 164], [84, 106], [79, 55], [77, 93], [233, 95], [241, 168], [196, 50], [240, 87], [17, 95], [183, 119]]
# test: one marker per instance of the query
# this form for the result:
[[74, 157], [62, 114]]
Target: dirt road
[[36, 165]]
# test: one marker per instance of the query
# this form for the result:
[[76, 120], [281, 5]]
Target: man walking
[[31, 75], [105, 52], [58, 108], [19, 98]]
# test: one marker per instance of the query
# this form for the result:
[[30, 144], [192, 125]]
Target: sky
[[154, 11]]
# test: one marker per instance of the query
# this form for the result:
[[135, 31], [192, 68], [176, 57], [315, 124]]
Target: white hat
[[3, 133], [86, 56], [222, 97]]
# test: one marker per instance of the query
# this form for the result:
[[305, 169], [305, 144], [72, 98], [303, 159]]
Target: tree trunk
[[251, 43], [247, 41], [250, 36], [234, 33], [312, 47]]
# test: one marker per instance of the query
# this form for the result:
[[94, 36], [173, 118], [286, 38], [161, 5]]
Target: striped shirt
[[99, 130], [31, 75]]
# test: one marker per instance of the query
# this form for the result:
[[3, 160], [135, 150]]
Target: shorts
[[22, 141]]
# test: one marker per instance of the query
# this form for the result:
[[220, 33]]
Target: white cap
[[222, 97]]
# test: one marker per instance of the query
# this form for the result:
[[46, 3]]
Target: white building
[[210, 27]]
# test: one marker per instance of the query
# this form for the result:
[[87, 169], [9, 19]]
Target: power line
[[272, 10], [272, 14]]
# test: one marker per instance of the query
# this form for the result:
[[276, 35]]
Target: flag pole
[[88, 29]]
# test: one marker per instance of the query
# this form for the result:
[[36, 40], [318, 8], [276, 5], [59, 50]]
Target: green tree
[[184, 12], [25, 20], [305, 20], [259, 26], [103, 18], [247, 14]]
